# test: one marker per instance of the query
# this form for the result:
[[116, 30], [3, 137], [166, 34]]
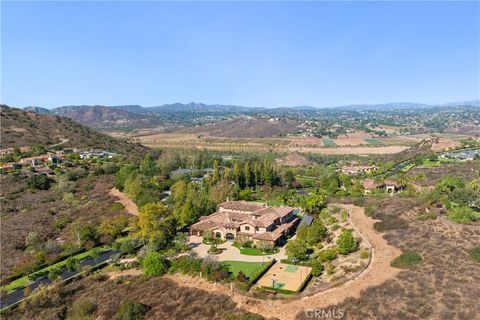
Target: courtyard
[[230, 252]]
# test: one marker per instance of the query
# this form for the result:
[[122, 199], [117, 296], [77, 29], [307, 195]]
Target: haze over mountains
[[123, 116]]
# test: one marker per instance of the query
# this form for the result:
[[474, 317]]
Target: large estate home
[[247, 221]]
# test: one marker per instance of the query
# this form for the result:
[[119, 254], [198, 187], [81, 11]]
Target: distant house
[[351, 170], [96, 154], [54, 159], [466, 155], [34, 161], [392, 187], [197, 180], [67, 151], [248, 221], [10, 166], [370, 185]]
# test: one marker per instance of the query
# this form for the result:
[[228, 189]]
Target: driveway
[[229, 252]]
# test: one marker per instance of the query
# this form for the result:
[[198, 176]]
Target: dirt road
[[377, 272], [120, 197]]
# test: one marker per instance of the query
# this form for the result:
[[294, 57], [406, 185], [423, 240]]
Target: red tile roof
[[369, 184]]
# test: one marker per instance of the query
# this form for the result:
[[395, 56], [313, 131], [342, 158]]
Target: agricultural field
[[373, 141], [280, 144], [329, 142]]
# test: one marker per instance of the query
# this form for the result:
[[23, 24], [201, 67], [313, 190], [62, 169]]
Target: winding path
[[120, 197], [378, 271]]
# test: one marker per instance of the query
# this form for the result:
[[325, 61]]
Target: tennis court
[[285, 276]]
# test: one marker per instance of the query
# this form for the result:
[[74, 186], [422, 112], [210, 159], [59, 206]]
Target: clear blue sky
[[253, 54]]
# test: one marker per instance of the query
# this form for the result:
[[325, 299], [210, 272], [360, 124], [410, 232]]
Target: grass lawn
[[373, 141], [253, 251], [251, 269], [327, 142]]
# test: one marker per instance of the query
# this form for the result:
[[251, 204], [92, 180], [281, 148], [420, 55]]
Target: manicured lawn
[[327, 142], [251, 269], [252, 251], [373, 141]]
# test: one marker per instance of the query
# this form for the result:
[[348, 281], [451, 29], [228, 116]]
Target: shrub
[[128, 246], [406, 260], [154, 264], [296, 249], [266, 246], [131, 310], [364, 255], [95, 253], [346, 243], [113, 226], [317, 268], [369, 211], [328, 254], [330, 269], [390, 223], [82, 309], [116, 206], [475, 253], [72, 264], [241, 277], [214, 250], [426, 216], [335, 227], [463, 215], [316, 232], [44, 296], [54, 273], [359, 202], [61, 223], [40, 182], [247, 244]]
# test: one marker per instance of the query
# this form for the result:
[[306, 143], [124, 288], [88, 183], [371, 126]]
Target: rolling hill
[[247, 127], [25, 128]]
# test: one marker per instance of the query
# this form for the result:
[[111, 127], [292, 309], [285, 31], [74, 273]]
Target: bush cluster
[[407, 260]]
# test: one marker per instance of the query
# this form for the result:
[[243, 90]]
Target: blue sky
[[244, 53]]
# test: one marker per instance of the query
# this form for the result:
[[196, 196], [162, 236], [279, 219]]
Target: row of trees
[[248, 174]]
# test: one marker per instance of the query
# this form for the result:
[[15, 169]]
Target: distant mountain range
[[129, 116]]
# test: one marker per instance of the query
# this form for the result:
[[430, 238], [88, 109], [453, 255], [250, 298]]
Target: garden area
[[330, 247], [248, 248]]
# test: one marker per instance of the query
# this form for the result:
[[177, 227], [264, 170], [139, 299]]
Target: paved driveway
[[229, 252]]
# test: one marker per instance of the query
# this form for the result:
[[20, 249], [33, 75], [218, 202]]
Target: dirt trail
[[376, 273], [129, 272], [120, 197]]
